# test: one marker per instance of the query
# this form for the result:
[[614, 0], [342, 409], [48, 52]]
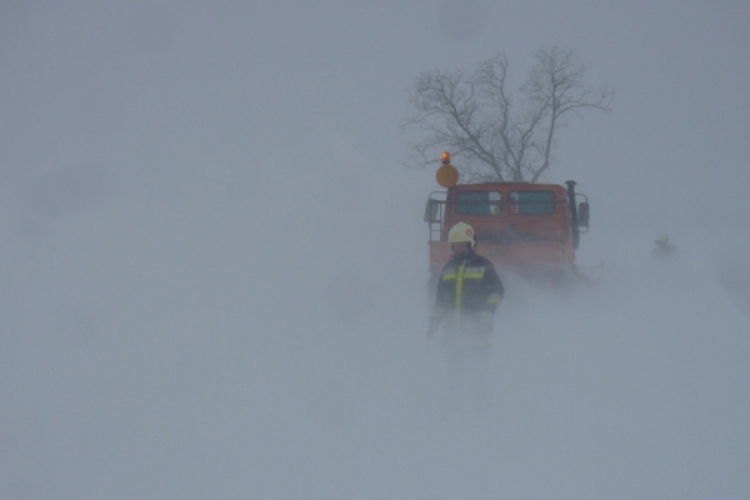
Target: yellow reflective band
[[474, 276], [494, 299], [459, 290], [450, 276]]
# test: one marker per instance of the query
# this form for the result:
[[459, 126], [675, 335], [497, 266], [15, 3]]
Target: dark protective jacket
[[468, 287]]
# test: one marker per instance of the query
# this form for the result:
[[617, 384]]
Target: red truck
[[531, 230]]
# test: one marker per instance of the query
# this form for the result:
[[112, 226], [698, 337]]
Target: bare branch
[[494, 136]]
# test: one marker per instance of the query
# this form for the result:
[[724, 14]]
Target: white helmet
[[462, 233]]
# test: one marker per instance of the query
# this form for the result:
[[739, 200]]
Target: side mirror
[[432, 211], [583, 214]]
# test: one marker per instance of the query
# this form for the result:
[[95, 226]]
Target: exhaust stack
[[575, 230]]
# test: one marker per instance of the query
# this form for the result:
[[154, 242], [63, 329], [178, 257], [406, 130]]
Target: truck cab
[[531, 230]]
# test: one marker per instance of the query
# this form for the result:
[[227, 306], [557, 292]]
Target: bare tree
[[497, 138]]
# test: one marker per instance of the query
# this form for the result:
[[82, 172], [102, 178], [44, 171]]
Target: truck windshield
[[532, 202], [478, 202]]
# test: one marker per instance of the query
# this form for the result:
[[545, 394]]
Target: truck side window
[[532, 202], [479, 202]]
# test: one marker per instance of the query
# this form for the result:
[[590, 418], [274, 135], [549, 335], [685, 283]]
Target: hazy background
[[213, 265]]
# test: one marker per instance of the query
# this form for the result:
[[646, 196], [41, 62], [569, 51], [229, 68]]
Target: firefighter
[[469, 289]]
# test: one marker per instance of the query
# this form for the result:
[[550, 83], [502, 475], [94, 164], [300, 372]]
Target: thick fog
[[214, 265]]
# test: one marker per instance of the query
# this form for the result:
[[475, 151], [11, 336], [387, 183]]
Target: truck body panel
[[524, 228]]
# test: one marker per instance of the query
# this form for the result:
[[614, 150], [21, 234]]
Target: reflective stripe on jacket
[[467, 286]]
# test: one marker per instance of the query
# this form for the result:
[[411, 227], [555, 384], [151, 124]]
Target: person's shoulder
[[478, 259], [451, 263]]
